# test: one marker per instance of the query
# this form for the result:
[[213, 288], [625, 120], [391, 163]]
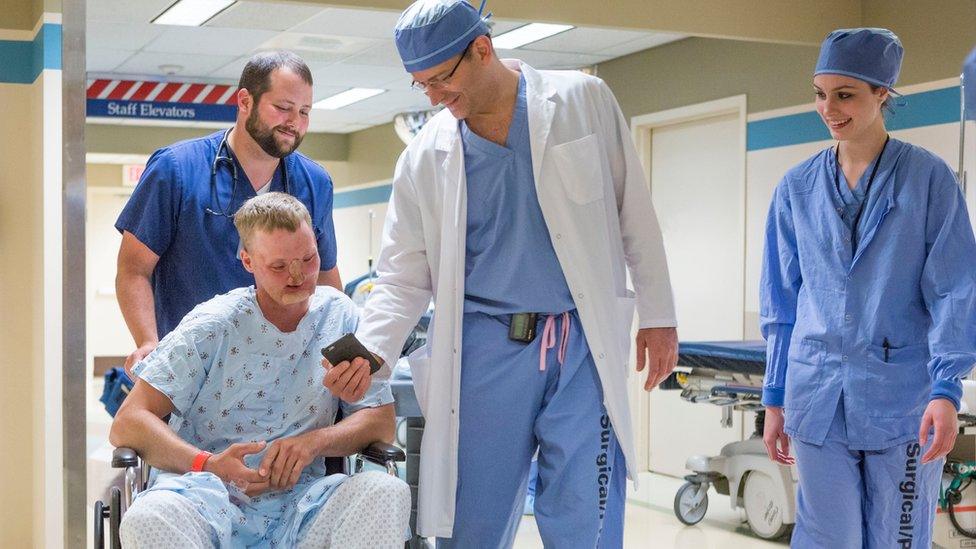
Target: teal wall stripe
[[911, 111], [361, 197], [916, 110], [22, 61]]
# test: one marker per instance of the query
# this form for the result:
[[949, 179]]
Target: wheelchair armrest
[[124, 457], [381, 453]]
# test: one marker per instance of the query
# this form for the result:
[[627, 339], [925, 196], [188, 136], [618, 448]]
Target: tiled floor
[[650, 522]]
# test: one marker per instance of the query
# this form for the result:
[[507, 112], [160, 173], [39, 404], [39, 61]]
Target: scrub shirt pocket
[[264, 383], [804, 373], [900, 386], [580, 167]]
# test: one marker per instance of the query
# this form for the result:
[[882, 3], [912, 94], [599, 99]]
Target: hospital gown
[[233, 377]]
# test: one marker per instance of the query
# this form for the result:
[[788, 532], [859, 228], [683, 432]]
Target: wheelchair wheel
[[99, 525], [115, 518], [691, 502]]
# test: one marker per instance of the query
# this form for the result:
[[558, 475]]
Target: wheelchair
[[136, 478]]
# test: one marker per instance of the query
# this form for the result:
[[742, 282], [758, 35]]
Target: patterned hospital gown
[[232, 377]]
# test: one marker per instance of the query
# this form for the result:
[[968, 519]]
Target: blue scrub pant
[[860, 498], [508, 409]]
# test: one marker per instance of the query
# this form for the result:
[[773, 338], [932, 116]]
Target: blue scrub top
[[198, 250], [851, 199], [510, 264], [828, 310]]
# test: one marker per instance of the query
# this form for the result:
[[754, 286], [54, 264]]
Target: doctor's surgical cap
[[871, 55], [430, 32]]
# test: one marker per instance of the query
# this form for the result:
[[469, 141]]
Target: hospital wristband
[[199, 461]]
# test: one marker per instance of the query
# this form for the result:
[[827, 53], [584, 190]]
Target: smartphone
[[348, 347]]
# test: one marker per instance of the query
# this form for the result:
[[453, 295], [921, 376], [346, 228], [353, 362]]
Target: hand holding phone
[[346, 348]]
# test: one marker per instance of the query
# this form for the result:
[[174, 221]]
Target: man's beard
[[265, 137]]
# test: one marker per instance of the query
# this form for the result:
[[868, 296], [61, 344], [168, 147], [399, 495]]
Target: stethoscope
[[228, 159]]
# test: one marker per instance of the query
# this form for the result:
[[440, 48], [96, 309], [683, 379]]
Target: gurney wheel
[[762, 505], [691, 503]]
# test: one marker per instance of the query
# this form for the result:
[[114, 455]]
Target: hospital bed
[[729, 374]]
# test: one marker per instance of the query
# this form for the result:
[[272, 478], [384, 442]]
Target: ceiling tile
[[501, 26], [650, 41], [584, 40], [125, 11], [553, 60], [318, 50], [384, 55], [392, 100], [323, 90], [107, 35], [274, 16], [363, 76], [99, 60], [231, 71], [208, 41], [351, 22], [340, 116], [147, 63]]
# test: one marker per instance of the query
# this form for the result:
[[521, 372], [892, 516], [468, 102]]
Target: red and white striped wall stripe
[[162, 92]]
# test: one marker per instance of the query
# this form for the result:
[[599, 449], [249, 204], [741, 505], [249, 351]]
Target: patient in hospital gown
[[233, 377]]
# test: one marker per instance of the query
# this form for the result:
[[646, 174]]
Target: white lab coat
[[597, 206]]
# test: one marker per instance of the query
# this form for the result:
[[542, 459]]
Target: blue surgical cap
[[969, 84], [430, 32], [871, 55]]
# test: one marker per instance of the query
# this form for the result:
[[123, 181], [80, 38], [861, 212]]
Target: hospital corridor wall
[[31, 438], [775, 140]]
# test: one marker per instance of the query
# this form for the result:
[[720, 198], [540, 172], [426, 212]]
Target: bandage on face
[[296, 277]]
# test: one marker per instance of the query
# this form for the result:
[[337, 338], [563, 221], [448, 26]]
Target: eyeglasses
[[443, 81]]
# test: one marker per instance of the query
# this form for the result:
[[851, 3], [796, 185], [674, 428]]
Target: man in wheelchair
[[241, 461]]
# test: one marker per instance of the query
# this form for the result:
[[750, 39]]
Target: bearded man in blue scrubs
[[179, 246]]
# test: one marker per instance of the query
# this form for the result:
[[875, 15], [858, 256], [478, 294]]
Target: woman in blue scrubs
[[868, 307]]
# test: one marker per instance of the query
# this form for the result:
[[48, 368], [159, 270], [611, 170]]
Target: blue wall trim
[[22, 61], [361, 197], [920, 109]]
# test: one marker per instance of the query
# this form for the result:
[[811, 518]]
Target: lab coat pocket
[[625, 311], [623, 328], [580, 168], [899, 386], [803, 373], [419, 363]]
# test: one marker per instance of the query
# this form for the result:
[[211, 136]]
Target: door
[[697, 187]]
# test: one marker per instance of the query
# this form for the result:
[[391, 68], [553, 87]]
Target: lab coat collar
[[539, 95]]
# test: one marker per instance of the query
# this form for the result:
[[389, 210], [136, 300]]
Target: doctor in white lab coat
[[490, 401]]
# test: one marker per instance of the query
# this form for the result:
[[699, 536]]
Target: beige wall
[[372, 156], [21, 312], [937, 34], [143, 140]]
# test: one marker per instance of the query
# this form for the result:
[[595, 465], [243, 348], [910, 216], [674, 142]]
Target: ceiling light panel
[[192, 13], [346, 98], [533, 32]]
